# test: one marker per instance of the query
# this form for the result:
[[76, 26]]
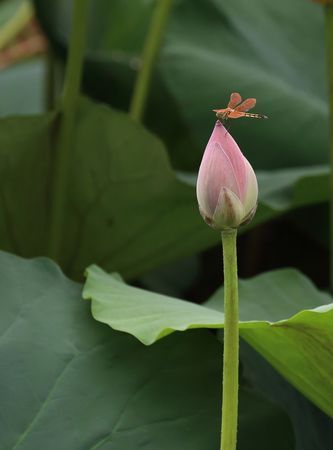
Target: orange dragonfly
[[238, 108]]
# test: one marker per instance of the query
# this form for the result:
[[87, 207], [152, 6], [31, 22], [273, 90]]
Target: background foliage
[[131, 208]]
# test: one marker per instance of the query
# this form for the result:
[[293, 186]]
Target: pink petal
[[236, 157], [215, 172]]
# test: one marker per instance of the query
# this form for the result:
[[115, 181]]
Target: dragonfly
[[237, 107]]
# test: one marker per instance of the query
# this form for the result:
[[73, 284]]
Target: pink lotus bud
[[227, 188]]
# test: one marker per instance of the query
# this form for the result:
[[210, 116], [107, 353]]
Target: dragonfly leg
[[227, 126], [224, 118]]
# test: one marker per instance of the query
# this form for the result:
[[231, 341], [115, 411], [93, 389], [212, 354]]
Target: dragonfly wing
[[220, 111], [246, 105], [235, 99]]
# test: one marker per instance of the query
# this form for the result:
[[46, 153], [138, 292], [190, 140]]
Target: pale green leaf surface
[[146, 315], [282, 315]]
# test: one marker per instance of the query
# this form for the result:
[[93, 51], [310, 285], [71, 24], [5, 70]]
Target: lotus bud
[[227, 188]]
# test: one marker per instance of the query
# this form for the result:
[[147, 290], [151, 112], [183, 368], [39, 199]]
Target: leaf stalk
[[329, 48], [68, 108], [150, 52]]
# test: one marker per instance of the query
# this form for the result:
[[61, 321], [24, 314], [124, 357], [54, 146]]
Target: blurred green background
[[131, 205]]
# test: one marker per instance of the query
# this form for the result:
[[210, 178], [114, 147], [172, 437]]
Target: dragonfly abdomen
[[256, 116]]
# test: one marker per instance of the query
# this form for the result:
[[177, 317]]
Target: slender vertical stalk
[[68, 107], [50, 81], [329, 46], [150, 52], [231, 342]]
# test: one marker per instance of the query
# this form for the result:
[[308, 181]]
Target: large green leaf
[[282, 316], [25, 155], [262, 49], [260, 422], [127, 210], [313, 429], [70, 383], [212, 47]]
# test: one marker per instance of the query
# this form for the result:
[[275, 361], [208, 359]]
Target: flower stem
[[150, 52], [231, 342], [68, 107], [329, 48]]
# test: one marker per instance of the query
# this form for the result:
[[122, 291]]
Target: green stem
[[149, 56], [50, 81], [231, 342], [329, 46], [68, 108]]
